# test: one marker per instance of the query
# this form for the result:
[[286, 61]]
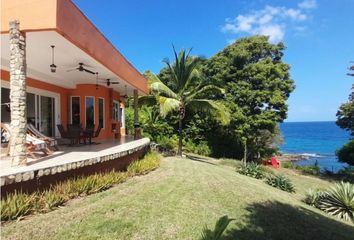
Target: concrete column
[[18, 105], [137, 131]]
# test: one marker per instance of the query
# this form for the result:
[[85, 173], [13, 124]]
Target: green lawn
[[177, 200]]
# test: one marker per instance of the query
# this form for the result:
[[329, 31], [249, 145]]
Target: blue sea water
[[317, 140]]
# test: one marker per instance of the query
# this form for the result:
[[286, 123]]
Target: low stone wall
[[41, 179]]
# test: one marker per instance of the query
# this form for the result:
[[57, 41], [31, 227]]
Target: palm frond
[[161, 89], [219, 229], [193, 77], [167, 105], [158, 87], [216, 108], [148, 100], [182, 69], [200, 90]]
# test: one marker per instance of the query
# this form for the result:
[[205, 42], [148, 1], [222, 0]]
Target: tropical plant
[[150, 162], [281, 182], [252, 170], [19, 204], [219, 229], [16, 205], [312, 196], [338, 201], [52, 199], [311, 169], [188, 91], [153, 125], [288, 164]]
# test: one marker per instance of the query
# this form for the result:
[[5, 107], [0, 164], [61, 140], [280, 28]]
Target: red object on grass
[[274, 162]]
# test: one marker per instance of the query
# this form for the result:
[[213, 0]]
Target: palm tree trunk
[[245, 153], [180, 137]]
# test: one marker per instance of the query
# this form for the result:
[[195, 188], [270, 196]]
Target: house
[[57, 32], [60, 70]]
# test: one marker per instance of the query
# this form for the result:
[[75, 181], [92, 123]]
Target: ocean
[[317, 140]]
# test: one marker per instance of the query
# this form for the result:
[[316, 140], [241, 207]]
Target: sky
[[318, 34]]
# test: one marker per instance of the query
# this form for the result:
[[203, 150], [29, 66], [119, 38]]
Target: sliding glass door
[[47, 115], [41, 113]]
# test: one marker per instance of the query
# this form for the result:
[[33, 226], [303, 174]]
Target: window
[[75, 110], [115, 110], [90, 111], [101, 112]]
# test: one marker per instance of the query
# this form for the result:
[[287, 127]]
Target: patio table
[[87, 133]]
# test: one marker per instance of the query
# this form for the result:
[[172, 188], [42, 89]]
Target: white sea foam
[[311, 155]]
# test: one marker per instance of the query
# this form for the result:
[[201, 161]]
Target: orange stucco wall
[[65, 18], [101, 49], [89, 90], [32, 14], [81, 90]]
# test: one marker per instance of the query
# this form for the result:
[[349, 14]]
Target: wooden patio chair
[[88, 133], [33, 143], [74, 134], [96, 133], [51, 142]]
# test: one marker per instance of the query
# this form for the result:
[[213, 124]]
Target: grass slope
[[178, 200]]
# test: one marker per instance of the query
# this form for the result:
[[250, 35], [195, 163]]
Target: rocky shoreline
[[291, 157]]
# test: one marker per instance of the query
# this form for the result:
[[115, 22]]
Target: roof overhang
[[76, 39]]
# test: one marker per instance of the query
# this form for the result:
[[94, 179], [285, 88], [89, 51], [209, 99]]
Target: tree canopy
[[187, 91], [345, 114], [257, 84], [345, 120], [247, 82]]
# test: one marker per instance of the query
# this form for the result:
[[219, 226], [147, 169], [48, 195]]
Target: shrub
[[115, 177], [201, 148], [312, 169], [346, 174], [150, 162], [338, 201], [84, 185], [312, 196], [219, 229], [252, 170], [52, 199], [346, 153], [16, 205], [169, 143], [287, 164], [281, 182]]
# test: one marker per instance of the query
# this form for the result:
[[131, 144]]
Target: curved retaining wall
[[40, 179]]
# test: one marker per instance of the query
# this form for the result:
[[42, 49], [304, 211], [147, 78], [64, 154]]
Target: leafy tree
[[345, 114], [257, 85], [346, 153], [185, 90], [345, 120]]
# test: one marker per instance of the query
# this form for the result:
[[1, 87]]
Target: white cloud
[[271, 21], [275, 32], [308, 4], [294, 14]]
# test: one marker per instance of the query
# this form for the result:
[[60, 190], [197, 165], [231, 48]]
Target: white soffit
[[66, 56]]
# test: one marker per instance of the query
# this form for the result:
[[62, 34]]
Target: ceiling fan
[[108, 82], [81, 68]]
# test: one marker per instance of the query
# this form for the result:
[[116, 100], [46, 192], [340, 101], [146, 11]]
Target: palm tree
[[188, 91]]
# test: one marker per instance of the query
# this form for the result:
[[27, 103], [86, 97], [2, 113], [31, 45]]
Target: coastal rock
[[291, 157]]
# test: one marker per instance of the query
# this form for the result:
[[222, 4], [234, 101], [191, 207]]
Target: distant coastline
[[309, 143], [292, 157]]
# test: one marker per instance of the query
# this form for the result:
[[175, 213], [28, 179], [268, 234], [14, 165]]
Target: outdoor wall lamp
[[53, 67]]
